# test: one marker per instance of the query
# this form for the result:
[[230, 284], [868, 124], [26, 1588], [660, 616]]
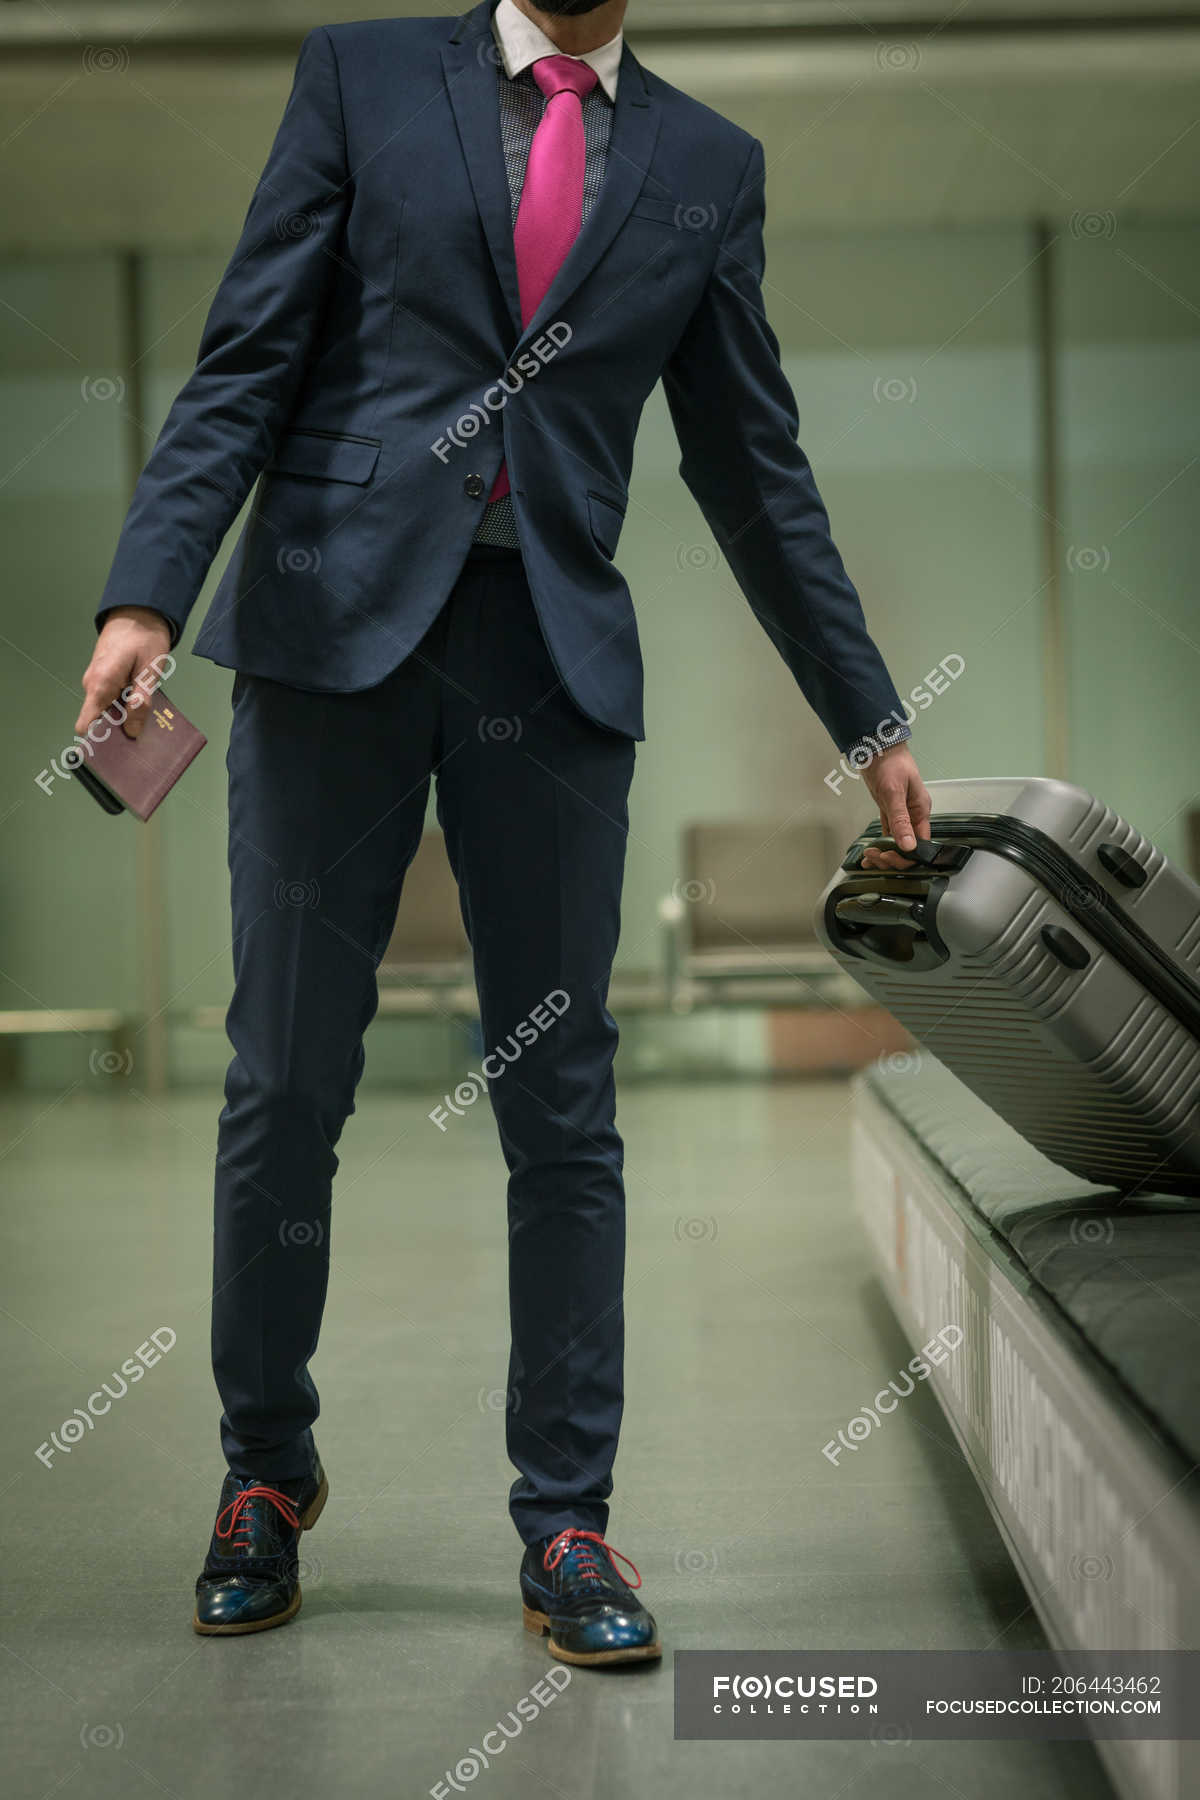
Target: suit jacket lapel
[[471, 61]]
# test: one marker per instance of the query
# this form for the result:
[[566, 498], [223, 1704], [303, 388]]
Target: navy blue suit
[[372, 303], [365, 355]]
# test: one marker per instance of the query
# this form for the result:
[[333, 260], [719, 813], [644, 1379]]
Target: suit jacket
[[354, 354]]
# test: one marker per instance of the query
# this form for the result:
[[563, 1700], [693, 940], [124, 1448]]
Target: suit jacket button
[[473, 486]]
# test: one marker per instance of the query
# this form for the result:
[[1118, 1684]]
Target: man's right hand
[[130, 640]]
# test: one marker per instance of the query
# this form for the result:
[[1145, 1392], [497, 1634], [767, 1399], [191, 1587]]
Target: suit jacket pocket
[[663, 212], [607, 518], [325, 456]]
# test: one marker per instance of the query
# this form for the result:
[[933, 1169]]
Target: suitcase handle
[[924, 850], [931, 853], [879, 909], [889, 929]]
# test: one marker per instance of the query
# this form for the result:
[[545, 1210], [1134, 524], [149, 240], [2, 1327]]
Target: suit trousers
[[327, 801]]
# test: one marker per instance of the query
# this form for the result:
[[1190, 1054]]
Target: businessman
[[477, 246]]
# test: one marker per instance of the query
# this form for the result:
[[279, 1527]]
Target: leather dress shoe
[[251, 1576], [571, 1587]]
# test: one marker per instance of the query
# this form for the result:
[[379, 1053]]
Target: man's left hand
[[903, 800]]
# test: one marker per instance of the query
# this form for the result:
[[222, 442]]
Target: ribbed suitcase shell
[[1085, 1063]]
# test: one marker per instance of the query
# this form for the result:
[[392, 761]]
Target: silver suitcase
[[1049, 955]]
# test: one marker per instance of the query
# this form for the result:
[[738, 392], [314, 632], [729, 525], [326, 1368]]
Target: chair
[[429, 955], [738, 924]]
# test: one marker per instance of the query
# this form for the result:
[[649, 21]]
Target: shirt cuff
[[884, 737]]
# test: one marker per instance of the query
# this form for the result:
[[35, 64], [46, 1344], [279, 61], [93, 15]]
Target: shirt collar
[[522, 43]]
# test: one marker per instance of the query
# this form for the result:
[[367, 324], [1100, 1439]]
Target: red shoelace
[[237, 1506], [586, 1563]]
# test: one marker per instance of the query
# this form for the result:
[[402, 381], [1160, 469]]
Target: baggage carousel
[[1075, 1390]]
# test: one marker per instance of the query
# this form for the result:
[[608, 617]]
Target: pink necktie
[[550, 215]]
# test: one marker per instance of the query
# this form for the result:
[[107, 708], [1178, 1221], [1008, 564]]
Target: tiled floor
[[755, 1330]]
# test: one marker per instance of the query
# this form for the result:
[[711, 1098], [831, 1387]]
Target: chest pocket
[[698, 221]]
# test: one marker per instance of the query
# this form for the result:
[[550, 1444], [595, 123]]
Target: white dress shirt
[[522, 43]]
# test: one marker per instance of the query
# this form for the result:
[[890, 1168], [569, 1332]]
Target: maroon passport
[[139, 772]]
